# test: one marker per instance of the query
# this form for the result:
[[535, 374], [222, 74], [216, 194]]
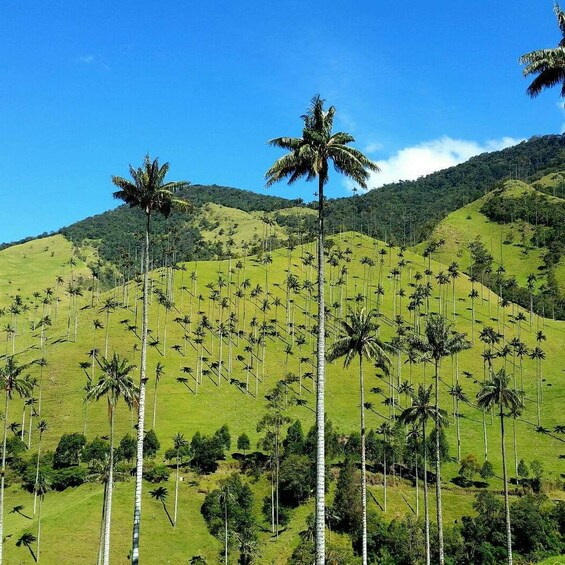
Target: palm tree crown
[[148, 190], [547, 64], [496, 392], [115, 382], [359, 338], [309, 154]]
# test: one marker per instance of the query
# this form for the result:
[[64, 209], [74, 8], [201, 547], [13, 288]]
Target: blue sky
[[89, 87]]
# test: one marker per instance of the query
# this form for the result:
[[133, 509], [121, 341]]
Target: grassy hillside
[[505, 242], [35, 266], [231, 391]]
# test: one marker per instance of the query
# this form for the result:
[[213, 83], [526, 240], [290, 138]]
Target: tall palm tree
[[358, 338], [440, 340], [12, 380], [497, 392], [149, 192], [42, 427], [180, 445], [42, 486], [547, 64], [309, 157], [423, 409], [114, 383]]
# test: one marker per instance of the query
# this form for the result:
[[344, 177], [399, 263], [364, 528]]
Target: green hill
[[272, 337], [521, 245]]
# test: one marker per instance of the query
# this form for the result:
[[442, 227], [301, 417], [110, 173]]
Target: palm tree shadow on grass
[[161, 494], [26, 540], [18, 510]]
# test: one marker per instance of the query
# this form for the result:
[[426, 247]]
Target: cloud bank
[[430, 156]]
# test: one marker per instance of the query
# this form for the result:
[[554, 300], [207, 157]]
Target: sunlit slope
[[509, 244], [212, 392], [36, 265]]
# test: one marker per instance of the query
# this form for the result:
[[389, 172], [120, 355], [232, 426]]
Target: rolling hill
[[224, 378]]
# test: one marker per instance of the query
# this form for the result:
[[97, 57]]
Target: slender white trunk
[[438, 473], [2, 477], [505, 479], [141, 408], [176, 493], [426, 506], [363, 471], [320, 392], [109, 493]]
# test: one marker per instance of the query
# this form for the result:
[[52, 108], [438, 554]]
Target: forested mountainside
[[407, 211], [404, 213]]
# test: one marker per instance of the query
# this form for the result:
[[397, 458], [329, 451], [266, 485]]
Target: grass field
[[210, 399]]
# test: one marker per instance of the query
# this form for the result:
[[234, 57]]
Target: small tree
[[243, 443], [487, 471], [469, 468], [151, 444]]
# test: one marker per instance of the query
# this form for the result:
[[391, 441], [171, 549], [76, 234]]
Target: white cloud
[[86, 59], [429, 156], [373, 147]]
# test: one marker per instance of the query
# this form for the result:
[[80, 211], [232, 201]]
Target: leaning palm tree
[[114, 383], [309, 158], [547, 64], [359, 338], [440, 340], [12, 380], [423, 409], [497, 392], [149, 192]]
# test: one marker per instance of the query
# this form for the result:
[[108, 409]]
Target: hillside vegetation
[[226, 333]]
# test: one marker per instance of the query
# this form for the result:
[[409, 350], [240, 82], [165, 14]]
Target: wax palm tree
[[180, 445], [496, 392], [114, 383], [159, 370], [547, 64], [309, 158], [440, 340], [423, 409], [358, 338], [42, 427], [149, 192], [12, 380], [41, 487]]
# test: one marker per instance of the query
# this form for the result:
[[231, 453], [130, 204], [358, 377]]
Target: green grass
[[35, 265], [74, 515], [503, 241]]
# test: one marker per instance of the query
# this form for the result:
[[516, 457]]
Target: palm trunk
[[426, 507], [39, 530], [505, 479], [2, 476], [438, 472], [320, 391], [176, 493], [141, 407], [363, 472], [109, 493], [102, 522], [37, 473]]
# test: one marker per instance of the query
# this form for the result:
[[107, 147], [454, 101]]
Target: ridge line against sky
[[91, 87]]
